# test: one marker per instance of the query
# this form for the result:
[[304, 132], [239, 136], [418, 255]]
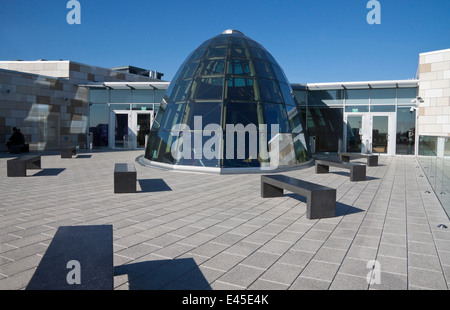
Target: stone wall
[[44, 100], [434, 89]]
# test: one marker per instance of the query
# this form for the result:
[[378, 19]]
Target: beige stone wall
[[434, 89], [38, 96]]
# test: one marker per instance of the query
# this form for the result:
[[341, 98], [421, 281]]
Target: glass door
[[354, 133], [143, 124], [121, 132], [383, 133], [380, 134]]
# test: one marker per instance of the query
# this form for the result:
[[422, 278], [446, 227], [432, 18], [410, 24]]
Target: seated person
[[17, 138]]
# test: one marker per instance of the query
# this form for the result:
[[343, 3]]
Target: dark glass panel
[[241, 150], [382, 96], [271, 58], [99, 95], [428, 145], [357, 96], [162, 150], [295, 119], [326, 124], [216, 51], [356, 108], [264, 69], [405, 95], [181, 91], [287, 94], [200, 51], [221, 40], [253, 43], [240, 66], [300, 97], [406, 131], [270, 91], [143, 96], [189, 70], [159, 115], [201, 157], [98, 124], [380, 129], [275, 114], [243, 89], [120, 95], [320, 98], [207, 88], [210, 112], [279, 74], [258, 53], [243, 113], [301, 150], [382, 108], [151, 145], [172, 116], [212, 66], [239, 51], [238, 41], [354, 126]]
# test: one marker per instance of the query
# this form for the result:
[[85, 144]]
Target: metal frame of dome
[[229, 79]]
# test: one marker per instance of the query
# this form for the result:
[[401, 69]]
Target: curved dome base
[[209, 170]]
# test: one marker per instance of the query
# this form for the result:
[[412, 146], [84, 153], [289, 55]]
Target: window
[[270, 91], [242, 89]]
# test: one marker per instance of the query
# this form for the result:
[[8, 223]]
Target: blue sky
[[314, 41]]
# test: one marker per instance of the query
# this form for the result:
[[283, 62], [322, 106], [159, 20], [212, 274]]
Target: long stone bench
[[78, 258], [357, 171], [125, 177], [17, 167], [372, 160], [68, 152], [321, 200]]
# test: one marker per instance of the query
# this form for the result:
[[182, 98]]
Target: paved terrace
[[203, 231]]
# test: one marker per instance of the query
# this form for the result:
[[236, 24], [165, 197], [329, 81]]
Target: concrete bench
[[68, 152], [357, 172], [125, 177], [372, 160], [321, 200], [78, 258], [19, 148], [17, 167]]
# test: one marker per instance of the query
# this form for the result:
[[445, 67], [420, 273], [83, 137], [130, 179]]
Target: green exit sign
[[354, 110]]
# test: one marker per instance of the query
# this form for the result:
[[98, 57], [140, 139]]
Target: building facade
[[434, 103], [58, 103], [48, 102]]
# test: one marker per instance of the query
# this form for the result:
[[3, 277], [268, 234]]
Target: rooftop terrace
[[205, 231]]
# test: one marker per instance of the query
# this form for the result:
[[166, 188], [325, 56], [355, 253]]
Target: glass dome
[[229, 105]]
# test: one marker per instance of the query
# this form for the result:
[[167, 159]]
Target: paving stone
[[234, 238]]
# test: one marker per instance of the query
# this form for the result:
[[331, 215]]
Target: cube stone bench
[[372, 160], [321, 200], [125, 177], [19, 148], [17, 167], [68, 152], [78, 258], [357, 171]]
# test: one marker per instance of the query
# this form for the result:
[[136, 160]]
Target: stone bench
[[68, 152], [17, 167], [125, 177], [78, 258], [19, 148], [372, 160], [321, 200], [357, 172]]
